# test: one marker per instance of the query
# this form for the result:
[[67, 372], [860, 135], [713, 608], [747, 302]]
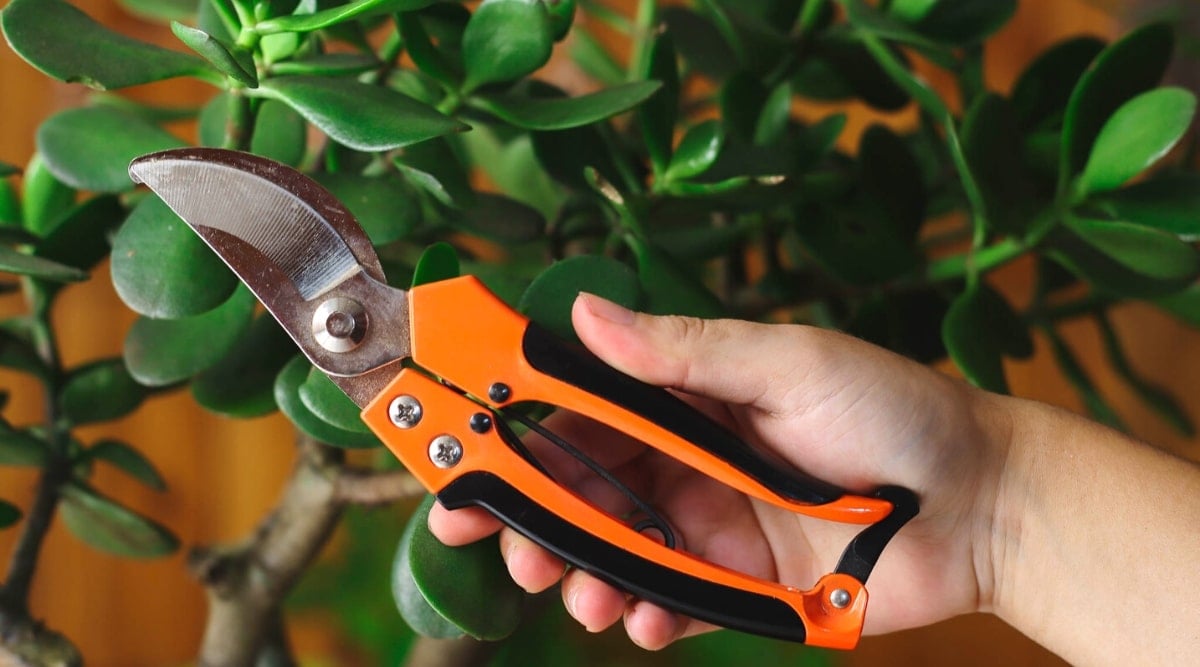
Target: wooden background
[[224, 475]]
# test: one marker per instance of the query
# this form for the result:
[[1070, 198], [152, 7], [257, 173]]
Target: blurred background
[[223, 476]]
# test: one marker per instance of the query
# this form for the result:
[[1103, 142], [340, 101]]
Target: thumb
[[728, 360]]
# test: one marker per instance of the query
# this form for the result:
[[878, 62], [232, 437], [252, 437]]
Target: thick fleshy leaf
[[287, 396], [161, 10], [514, 168], [469, 586], [550, 296], [657, 115], [979, 330], [438, 262], [559, 113], [22, 448], [10, 206], [667, 288], [860, 249], [213, 121], [562, 17], [505, 40], [1152, 395], [100, 391], [908, 323], [46, 199], [80, 239], [992, 147], [279, 133], [501, 219], [429, 58], [840, 67], [891, 180], [163, 352], [384, 206], [566, 154], [107, 526], [775, 115], [742, 100], [127, 460], [700, 42], [90, 148], [957, 22], [1124, 259], [410, 601], [233, 62], [697, 151], [162, 269], [9, 514], [12, 261], [66, 44], [336, 15], [438, 160], [1138, 134], [242, 383], [17, 350], [363, 117], [1122, 71], [1042, 91], [1170, 203], [327, 64], [330, 404]]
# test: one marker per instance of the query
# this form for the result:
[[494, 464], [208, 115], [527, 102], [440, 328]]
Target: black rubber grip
[[577, 367], [698, 598]]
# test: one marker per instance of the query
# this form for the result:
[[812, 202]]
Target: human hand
[[841, 409]]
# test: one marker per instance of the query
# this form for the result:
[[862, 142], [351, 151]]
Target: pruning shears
[[438, 368]]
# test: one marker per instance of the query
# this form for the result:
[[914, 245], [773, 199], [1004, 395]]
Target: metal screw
[[445, 451], [839, 598], [480, 423], [499, 392], [339, 324], [405, 411]]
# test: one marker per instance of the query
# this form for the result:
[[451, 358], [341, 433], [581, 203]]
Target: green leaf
[[742, 100], [161, 10], [438, 262], [162, 269], [329, 403], [22, 448], [1124, 259], [700, 42], [90, 148], [66, 44], [80, 239], [279, 133], [234, 62], [963, 22], [384, 206], [992, 147], [1122, 71], [697, 151], [1155, 397], [107, 526], [428, 58], [1071, 369], [436, 167], [12, 261], [908, 323], [776, 113], [667, 287], [514, 168], [163, 352], [17, 350], [7, 169], [1042, 91], [505, 40], [1170, 203], [337, 15], [658, 114], [1184, 305], [1138, 134], [363, 117], [840, 67], [100, 391], [594, 59], [213, 120], [559, 113], [46, 197], [562, 17], [549, 298], [242, 383], [468, 586], [979, 330], [9, 514], [501, 219], [891, 182], [10, 206], [287, 396], [327, 64], [128, 460]]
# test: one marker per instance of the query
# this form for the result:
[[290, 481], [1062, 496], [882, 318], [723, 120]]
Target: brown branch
[[366, 487], [462, 652]]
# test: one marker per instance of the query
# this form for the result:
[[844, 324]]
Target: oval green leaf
[[100, 391], [46, 197], [12, 261], [501, 219], [1124, 259], [287, 396], [66, 44], [1170, 203], [657, 115], [81, 238], [22, 448], [328, 403], [107, 526], [163, 352], [363, 117], [9, 514], [242, 383], [468, 586], [128, 460], [559, 113], [438, 262], [386, 209], [90, 148], [162, 269], [668, 288], [1042, 91], [992, 148], [697, 151], [505, 40], [279, 133], [890, 179], [327, 64], [963, 22], [1138, 134], [235, 63], [337, 15], [550, 296], [979, 330], [161, 10]]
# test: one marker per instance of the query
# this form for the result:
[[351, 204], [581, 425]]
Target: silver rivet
[[839, 598], [405, 411], [445, 451], [339, 324]]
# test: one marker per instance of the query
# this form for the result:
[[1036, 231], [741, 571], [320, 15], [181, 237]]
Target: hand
[[839, 408]]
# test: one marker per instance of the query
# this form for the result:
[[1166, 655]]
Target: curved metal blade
[[294, 244]]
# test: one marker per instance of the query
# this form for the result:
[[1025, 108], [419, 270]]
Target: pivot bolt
[[445, 451], [405, 411], [339, 324], [499, 392], [839, 598], [480, 423]]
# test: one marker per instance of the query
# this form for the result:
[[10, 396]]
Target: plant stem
[[643, 33], [240, 121], [809, 13], [981, 261]]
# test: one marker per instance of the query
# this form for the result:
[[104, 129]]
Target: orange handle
[[446, 448]]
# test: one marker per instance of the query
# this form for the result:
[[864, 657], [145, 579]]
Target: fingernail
[[606, 310]]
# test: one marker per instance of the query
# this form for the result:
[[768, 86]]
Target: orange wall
[[224, 475]]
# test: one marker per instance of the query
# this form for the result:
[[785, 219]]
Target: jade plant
[[684, 181]]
